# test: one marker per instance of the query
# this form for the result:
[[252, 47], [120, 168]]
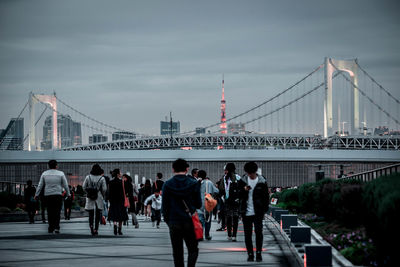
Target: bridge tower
[[223, 114], [52, 101], [350, 66]]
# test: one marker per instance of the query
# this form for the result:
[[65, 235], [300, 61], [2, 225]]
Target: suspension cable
[[265, 102], [364, 94], [37, 121], [380, 86]]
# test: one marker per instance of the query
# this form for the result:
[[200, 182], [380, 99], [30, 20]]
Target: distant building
[[123, 135], [200, 130], [97, 138], [12, 138], [69, 132], [165, 127], [237, 128]]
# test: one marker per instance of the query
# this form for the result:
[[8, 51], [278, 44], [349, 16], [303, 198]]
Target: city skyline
[[132, 59]]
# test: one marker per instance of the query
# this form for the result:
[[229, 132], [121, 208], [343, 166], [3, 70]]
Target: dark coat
[[159, 183], [117, 212], [175, 190], [234, 192], [260, 196], [29, 195]]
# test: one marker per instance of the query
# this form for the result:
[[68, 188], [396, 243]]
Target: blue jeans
[[205, 219]]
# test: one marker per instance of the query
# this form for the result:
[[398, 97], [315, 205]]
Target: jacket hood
[[182, 185]]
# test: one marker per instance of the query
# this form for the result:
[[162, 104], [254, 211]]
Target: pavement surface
[[23, 244]]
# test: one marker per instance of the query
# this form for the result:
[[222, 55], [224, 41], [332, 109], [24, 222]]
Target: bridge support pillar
[[350, 66]]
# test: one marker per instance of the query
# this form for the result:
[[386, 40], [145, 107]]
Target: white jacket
[[100, 182], [155, 201], [53, 182]]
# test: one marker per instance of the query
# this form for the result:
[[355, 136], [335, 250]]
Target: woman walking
[[95, 187], [30, 202], [228, 188], [131, 191], [147, 193], [117, 212]]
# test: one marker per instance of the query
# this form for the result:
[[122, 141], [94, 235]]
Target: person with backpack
[[254, 201], [53, 182], [207, 191], [95, 187], [117, 212]]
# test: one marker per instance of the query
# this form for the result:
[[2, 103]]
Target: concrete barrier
[[300, 234], [288, 220], [317, 255], [278, 213]]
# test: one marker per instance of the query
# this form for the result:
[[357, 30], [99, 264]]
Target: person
[[158, 184], [228, 187], [147, 193], [42, 200], [139, 205], [95, 206], [178, 191], [68, 203], [195, 173], [117, 212], [54, 181], [254, 201], [205, 217], [156, 202], [30, 202], [131, 191], [221, 208]]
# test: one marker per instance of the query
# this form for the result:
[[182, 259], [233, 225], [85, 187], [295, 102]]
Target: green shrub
[[349, 211], [381, 199]]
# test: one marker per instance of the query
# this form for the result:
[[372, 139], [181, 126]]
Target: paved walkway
[[22, 244]]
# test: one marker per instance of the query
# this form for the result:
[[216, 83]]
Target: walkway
[[22, 244]]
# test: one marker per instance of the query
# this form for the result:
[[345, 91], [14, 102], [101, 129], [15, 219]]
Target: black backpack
[[92, 190]]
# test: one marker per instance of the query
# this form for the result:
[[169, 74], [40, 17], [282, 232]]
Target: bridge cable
[[263, 103], [380, 86]]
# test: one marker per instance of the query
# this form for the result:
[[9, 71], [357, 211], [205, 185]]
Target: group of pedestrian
[[244, 198]]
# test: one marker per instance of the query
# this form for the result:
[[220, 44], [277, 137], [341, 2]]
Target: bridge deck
[[23, 244]]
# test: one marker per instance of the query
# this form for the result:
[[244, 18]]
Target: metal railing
[[373, 174], [16, 188]]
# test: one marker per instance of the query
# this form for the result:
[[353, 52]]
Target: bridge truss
[[247, 142]]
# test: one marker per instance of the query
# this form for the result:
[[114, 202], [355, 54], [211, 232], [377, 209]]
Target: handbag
[[197, 226], [126, 199], [209, 201]]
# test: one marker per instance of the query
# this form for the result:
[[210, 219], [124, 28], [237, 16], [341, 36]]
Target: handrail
[[375, 173]]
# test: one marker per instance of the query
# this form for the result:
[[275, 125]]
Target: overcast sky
[[129, 63]]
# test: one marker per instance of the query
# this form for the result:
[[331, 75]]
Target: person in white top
[[95, 204], [53, 182], [156, 202], [254, 200]]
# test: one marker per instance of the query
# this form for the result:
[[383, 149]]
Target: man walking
[[53, 182], [178, 192], [254, 200]]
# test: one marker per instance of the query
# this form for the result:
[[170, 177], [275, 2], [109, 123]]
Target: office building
[[165, 127], [97, 138], [12, 138], [69, 132], [123, 135]]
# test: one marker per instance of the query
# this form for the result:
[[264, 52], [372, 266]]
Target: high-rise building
[[12, 138], [165, 127], [237, 128], [123, 135], [69, 132], [223, 105], [97, 138]]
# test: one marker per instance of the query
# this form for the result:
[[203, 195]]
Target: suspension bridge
[[338, 105]]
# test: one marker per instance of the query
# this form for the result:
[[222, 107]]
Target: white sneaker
[[229, 238], [158, 227], [153, 223], [234, 239]]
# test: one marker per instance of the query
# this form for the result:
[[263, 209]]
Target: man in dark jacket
[[178, 191], [254, 201]]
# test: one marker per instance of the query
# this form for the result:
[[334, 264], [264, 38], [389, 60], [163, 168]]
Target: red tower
[[223, 115]]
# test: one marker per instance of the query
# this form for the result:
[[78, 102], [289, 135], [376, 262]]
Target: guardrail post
[[288, 220], [278, 213], [300, 234]]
